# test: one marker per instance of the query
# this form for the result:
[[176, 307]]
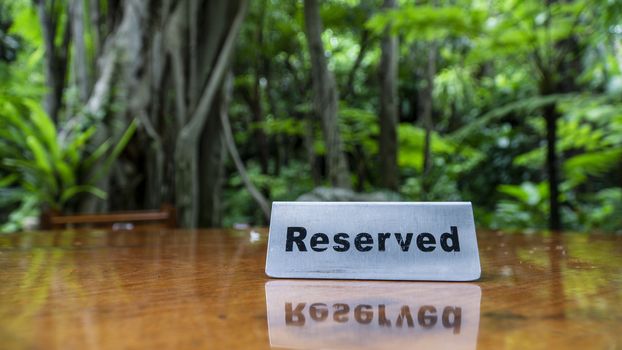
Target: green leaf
[[74, 147], [597, 163], [40, 154], [97, 154], [74, 190], [527, 104], [8, 180], [66, 173], [116, 151], [45, 127], [429, 22], [26, 24], [22, 164], [527, 193]]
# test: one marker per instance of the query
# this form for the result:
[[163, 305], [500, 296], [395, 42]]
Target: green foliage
[[411, 147], [580, 168], [527, 31], [428, 22], [21, 217], [602, 211], [488, 140], [285, 126], [43, 167], [359, 129], [526, 205], [45, 163], [293, 180], [436, 186], [522, 106], [25, 24]]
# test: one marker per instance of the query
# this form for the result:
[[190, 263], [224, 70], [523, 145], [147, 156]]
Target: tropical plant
[[47, 166]]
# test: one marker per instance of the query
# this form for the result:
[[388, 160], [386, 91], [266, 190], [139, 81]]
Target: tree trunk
[[349, 89], [153, 53], [123, 57], [211, 166], [186, 183], [55, 57], [550, 116], [428, 123], [80, 59], [389, 107], [308, 140], [325, 98], [261, 139], [281, 154], [556, 75], [95, 19], [216, 48]]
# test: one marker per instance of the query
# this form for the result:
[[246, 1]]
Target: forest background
[[220, 107]]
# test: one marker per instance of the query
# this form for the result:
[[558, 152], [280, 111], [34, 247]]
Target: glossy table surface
[[206, 289]]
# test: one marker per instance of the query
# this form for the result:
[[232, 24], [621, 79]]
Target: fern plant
[[45, 165]]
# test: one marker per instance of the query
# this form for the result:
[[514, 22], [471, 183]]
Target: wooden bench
[[164, 218]]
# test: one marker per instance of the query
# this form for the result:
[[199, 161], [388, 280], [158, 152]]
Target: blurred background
[[220, 107]]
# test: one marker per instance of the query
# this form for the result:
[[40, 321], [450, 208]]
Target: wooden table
[[206, 289]]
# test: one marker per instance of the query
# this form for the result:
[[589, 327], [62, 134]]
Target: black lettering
[[427, 321], [382, 316], [382, 237], [457, 318], [363, 316], [318, 312], [424, 239], [364, 242], [404, 244], [453, 236], [291, 239], [363, 239], [317, 239], [342, 240], [341, 312], [294, 317], [405, 313]]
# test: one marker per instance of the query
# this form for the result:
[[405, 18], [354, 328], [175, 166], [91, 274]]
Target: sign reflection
[[343, 314]]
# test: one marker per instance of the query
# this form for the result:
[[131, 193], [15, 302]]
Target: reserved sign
[[378, 241]]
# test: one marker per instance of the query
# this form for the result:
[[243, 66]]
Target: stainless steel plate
[[373, 240]]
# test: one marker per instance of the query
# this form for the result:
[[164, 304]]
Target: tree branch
[[195, 125], [180, 87], [349, 90], [233, 151], [174, 49], [80, 61]]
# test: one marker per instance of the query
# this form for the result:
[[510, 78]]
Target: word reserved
[[374, 241], [364, 242]]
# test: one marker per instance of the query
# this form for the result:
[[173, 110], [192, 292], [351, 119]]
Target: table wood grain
[[206, 289]]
